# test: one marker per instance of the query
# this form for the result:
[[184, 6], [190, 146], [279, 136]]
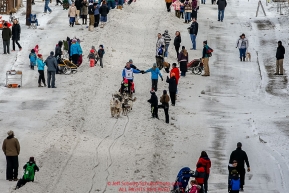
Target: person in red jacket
[[200, 175], [177, 75], [206, 162]]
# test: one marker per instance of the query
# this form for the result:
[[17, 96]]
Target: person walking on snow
[[11, 149], [167, 39], [168, 4], [16, 30], [51, 64], [183, 60], [103, 11], [279, 58], [6, 36], [40, 65], [243, 45], [222, 4], [206, 163], [155, 73], [188, 11], [172, 88], [154, 104], [165, 99], [241, 157], [205, 59], [177, 42], [193, 32], [46, 7]]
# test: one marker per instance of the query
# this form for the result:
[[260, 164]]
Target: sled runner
[[67, 67]]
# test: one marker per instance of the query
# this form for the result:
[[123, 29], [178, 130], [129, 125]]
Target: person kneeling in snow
[[154, 104], [29, 172]]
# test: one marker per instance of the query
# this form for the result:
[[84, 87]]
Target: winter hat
[[239, 144], [279, 42], [92, 47], [166, 31], [39, 55], [10, 133], [205, 42], [165, 92], [90, 1], [174, 64], [91, 51], [101, 46], [74, 40], [154, 65], [173, 74], [152, 91], [31, 159], [5, 24], [183, 47], [51, 53], [130, 60], [32, 51], [60, 43], [36, 46]]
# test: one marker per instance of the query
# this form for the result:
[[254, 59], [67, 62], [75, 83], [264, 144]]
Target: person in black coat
[[241, 157], [103, 11], [78, 6], [58, 54], [16, 30], [222, 4], [279, 58], [154, 104], [177, 42], [194, 32], [172, 88]]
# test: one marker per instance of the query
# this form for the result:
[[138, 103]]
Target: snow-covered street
[[81, 149]]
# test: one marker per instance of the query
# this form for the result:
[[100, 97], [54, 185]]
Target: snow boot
[[244, 59], [39, 85], [241, 59]]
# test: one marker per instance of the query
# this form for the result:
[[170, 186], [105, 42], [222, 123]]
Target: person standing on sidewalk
[[46, 7], [242, 44], [11, 149], [222, 4], [177, 42], [167, 39], [279, 58], [241, 157], [205, 59], [193, 32], [6, 36], [168, 4], [51, 64], [16, 30]]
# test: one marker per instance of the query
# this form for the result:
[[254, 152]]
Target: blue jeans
[[46, 7], [203, 1], [120, 2], [221, 15], [187, 16], [193, 38], [166, 50], [111, 4], [242, 52]]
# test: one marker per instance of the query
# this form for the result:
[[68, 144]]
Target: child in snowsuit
[[154, 104], [91, 57], [195, 187], [32, 57], [234, 185], [100, 53], [30, 168]]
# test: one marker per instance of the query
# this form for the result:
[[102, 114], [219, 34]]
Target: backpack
[[29, 172], [209, 51]]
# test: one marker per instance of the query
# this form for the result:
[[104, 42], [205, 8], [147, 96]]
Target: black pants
[[173, 97], [129, 2], [168, 6], [166, 109], [96, 20], [21, 183], [206, 182], [84, 19], [155, 84], [41, 77], [13, 44], [58, 1], [12, 167], [242, 173], [154, 110], [177, 48], [194, 14], [51, 78], [75, 58], [182, 15]]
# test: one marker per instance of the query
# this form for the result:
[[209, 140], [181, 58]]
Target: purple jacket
[[182, 57]]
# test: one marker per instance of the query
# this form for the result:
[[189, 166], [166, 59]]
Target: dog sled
[[121, 103], [67, 67], [127, 88], [196, 66], [182, 180]]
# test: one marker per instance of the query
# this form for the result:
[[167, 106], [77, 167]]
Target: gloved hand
[[162, 78]]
